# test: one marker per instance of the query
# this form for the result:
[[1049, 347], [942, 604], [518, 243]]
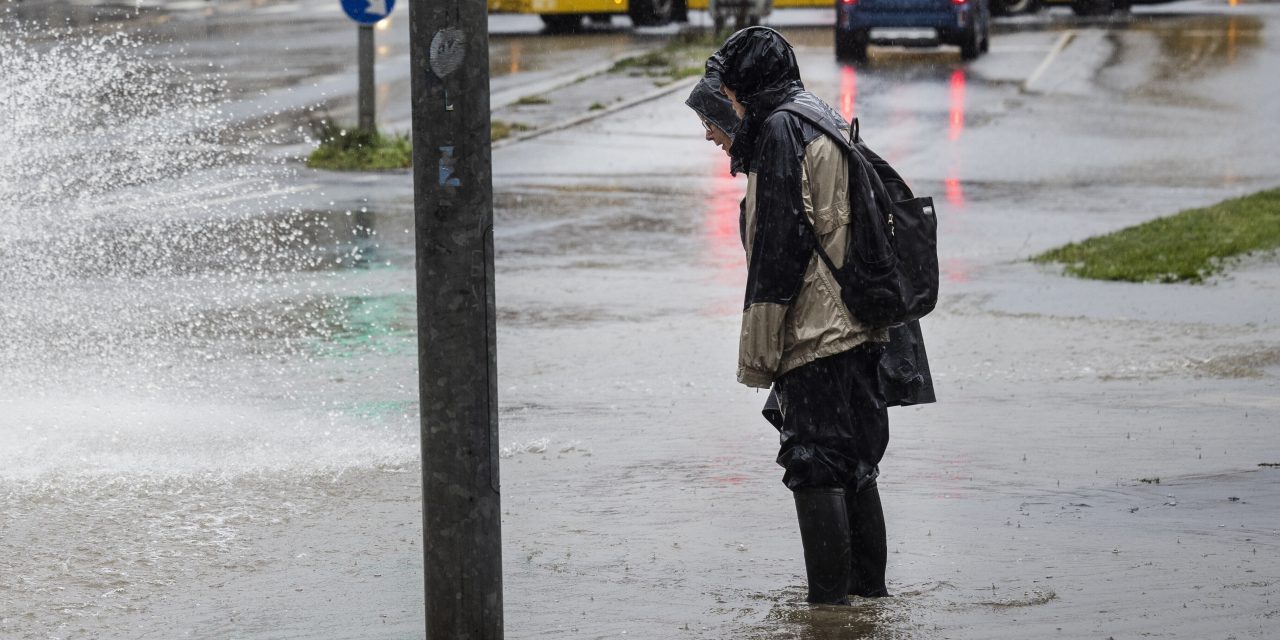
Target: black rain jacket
[[760, 66]]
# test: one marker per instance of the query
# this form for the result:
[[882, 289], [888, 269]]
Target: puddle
[[1193, 46]]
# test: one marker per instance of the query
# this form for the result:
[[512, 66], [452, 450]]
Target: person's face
[[717, 135], [733, 98]]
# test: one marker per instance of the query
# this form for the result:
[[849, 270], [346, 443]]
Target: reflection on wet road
[[1201, 44], [848, 91], [955, 94], [955, 127], [722, 221]]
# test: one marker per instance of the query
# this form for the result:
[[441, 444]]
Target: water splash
[[163, 301]]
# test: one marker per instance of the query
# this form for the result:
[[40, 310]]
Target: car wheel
[[852, 45], [970, 43], [1091, 7], [561, 22], [680, 11], [651, 13]]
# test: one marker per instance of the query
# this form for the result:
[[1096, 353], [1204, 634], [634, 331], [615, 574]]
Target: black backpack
[[890, 272]]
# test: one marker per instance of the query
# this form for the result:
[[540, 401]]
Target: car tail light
[[959, 2], [848, 1]]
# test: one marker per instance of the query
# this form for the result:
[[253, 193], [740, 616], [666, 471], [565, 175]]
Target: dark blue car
[[966, 23]]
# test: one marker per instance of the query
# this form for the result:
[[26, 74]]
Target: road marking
[[1058, 46]]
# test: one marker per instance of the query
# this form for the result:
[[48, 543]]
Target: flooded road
[[209, 422]]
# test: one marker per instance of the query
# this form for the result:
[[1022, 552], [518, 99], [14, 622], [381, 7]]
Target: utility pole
[[457, 367], [364, 55]]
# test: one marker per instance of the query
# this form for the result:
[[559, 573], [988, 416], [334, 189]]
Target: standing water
[[181, 359]]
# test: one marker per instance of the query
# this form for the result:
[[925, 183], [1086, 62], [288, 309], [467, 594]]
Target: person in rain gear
[[797, 337], [904, 368]]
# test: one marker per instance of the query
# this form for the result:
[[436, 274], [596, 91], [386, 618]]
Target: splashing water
[[161, 301]]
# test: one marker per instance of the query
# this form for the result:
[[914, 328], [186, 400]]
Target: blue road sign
[[368, 11]]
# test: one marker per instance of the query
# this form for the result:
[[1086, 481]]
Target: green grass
[[499, 129], [343, 149], [533, 100], [1186, 247], [651, 60], [682, 57]]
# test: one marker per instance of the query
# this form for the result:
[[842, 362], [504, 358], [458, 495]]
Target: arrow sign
[[368, 11]]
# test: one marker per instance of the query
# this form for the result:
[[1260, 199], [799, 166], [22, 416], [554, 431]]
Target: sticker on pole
[[448, 48], [368, 11]]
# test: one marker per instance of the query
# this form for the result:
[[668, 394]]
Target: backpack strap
[[813, 117]]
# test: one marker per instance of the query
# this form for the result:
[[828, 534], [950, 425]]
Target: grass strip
[[682, 57], [352, 149], [344, 149], [1186, 247], [500, 129], [532, 100]]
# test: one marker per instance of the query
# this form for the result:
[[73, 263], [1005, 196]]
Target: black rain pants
[[834, 422]]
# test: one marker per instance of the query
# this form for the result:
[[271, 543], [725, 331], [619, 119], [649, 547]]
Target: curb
[[552, 84], [595, 115]]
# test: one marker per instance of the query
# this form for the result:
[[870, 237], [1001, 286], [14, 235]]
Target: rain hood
[[710, 103], [760, 66]]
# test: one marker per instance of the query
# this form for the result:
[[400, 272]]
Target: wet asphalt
[[640, 497]]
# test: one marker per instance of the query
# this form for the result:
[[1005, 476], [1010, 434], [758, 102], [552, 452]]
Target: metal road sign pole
[[453, 207], [366, 13], [364, 46]]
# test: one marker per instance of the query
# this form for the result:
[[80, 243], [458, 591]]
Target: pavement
[[1098, 463]]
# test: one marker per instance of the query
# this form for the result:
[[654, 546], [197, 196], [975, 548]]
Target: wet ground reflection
[[955, 128], [722, 221], [1193, 46], [723, 234], [956, 269], [955, 114], [791, 619], [848, 91], [364, 325], [954, 190], [80, 14], [281, 242]]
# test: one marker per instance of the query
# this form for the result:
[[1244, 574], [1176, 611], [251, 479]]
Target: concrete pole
[[364, 55], [457, 368]]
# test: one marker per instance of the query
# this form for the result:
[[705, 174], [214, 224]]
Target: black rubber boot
[[824, 532], [869, 548]]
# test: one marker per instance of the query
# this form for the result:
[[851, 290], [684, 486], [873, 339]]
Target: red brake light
[[848, 1], [959, 2]]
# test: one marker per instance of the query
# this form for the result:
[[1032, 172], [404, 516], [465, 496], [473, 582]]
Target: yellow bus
[[567, 15]]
